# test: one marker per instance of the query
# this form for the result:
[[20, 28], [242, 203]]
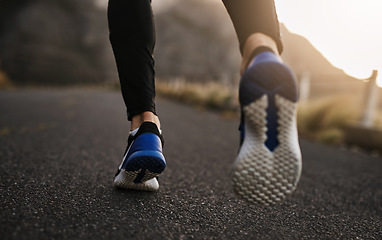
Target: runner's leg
[[132, 36]]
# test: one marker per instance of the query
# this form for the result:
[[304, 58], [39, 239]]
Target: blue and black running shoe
[[143, 160], [268, 166]]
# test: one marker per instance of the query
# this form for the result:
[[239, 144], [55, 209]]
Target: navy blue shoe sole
[[145, 165]]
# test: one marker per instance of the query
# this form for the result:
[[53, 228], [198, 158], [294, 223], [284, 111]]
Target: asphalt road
[[59, 150]]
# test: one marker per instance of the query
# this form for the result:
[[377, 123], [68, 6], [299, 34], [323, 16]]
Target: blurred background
[[333, 47]]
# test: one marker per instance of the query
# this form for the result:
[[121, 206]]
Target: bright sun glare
[[347, 32]]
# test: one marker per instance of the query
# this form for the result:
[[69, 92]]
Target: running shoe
[[143, 160], [268, 166]]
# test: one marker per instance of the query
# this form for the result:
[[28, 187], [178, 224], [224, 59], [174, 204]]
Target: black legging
[[132, 36]]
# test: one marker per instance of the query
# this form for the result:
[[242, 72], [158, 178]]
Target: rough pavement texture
[[59, 151]]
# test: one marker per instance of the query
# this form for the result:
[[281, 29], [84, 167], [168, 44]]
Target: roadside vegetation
[[211, 95], [321, 120], [5, 83]]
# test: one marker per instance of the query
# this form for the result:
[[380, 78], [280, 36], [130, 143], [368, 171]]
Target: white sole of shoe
[[260, 175], [125, 179]]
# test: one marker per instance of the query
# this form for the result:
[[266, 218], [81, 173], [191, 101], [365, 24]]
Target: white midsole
[[125, 179], [260, 175]]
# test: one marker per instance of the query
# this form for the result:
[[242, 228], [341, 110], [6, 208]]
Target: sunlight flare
[[347, 32]]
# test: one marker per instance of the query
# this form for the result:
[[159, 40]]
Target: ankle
[[137, 120], [253, 42]]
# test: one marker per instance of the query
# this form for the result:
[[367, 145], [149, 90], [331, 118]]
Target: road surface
[[59, 150]]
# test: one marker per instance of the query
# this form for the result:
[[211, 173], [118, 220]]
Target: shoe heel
[[268, 166]]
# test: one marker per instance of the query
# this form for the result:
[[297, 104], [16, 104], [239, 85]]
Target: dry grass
[[5, 83], [324, 119], [210, 95]]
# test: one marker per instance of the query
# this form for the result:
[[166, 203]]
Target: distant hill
[[54, 42], [196, 39], [304, 58]]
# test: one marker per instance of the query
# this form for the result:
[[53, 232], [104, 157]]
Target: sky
[[347, 32]]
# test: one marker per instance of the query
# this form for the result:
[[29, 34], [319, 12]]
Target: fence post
[[304, 86], [370, 101]]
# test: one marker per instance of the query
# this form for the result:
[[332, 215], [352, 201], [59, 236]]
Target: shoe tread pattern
[[260, 175], [126, 180]]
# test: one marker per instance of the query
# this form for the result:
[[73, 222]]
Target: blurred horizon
[[195, 40]]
